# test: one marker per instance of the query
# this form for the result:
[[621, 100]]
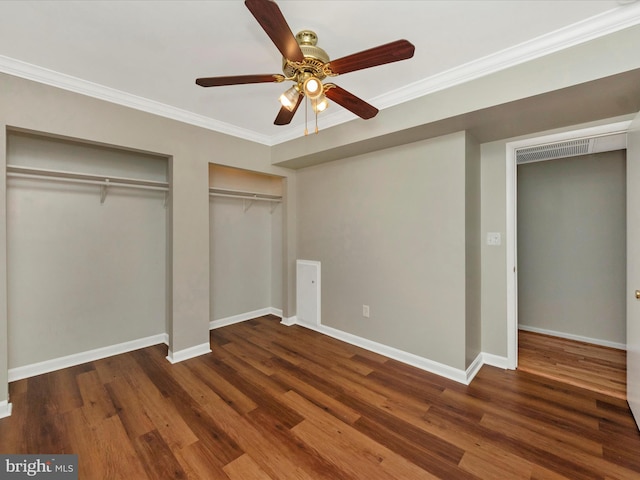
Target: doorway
[[547, 144]]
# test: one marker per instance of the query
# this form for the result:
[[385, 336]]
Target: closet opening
[[246, 242], [86, 250]]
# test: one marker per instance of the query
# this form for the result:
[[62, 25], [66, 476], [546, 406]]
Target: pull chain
[[306, 131], [316, 111]]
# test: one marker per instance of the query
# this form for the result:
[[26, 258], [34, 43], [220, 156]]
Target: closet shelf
[[219, 192], [103, 181], [247, 197], [90, 179]]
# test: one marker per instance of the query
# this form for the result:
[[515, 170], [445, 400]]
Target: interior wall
[[493, 257], [4, 343], [277, 227], [389, 230], [246, 244], [82, 274], [473, 261], [572, 246]]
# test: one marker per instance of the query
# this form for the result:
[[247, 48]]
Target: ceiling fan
[[306, 65]]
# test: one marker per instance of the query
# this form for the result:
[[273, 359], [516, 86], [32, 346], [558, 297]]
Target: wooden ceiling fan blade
[[350, 101], [270, 18], [239, 80], [387, 53], [285, 115]]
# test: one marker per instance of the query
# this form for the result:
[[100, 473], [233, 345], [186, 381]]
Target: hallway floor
[[596, 368]]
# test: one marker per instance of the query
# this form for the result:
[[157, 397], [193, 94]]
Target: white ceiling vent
[[572, 148]]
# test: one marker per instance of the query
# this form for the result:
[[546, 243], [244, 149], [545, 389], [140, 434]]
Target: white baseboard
[[187, 353], [47, 366], [495, 360], [570, 336], [223, 322], [288, 321], [5, 409], [474, 368], [422, 363], [461, 376]]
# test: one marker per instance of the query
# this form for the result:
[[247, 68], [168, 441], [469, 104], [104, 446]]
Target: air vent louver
[[569, 148]]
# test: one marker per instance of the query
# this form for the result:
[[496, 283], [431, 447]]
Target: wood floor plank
[[103, 448], [556, 462], [321, 399], [129, 408], [580, 453], [157, 458], [190, 409], [493, 465], [594, 367], [342, 444], [308, 463], [199, 462], [277, 459], [44, 428], [244, 468], [97, 404], [272, 402], [162, 412], [225, 390]]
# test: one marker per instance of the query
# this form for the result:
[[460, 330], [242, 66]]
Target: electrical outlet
[[365, 311]]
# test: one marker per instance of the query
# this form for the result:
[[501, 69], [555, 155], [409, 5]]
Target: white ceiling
[[147, 54]]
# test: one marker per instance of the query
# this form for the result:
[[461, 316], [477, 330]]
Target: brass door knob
[[637, 294]]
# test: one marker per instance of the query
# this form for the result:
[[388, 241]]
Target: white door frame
[[512, 223]]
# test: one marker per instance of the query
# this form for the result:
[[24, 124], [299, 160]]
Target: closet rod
[[71, 177], [245, 197], [104, 183]]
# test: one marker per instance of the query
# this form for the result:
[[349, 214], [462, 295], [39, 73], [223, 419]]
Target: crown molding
[[601, 25], [604, 24], [566, 37], [38, 74]]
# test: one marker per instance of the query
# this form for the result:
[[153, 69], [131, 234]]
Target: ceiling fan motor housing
[[314, 58]]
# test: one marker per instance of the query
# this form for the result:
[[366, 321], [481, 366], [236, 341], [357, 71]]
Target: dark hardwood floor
[[276, 402]]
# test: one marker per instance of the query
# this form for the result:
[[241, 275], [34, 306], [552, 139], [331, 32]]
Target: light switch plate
[[494, 238]]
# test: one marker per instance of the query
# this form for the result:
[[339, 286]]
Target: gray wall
[[389, 228], [275, 284], [494, 258], [473, 261], [241, 257], [572, 246]]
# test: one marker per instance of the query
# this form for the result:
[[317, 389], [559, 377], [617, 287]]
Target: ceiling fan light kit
[[320, 104], [289, 98], [312, 87], [307, 65]]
